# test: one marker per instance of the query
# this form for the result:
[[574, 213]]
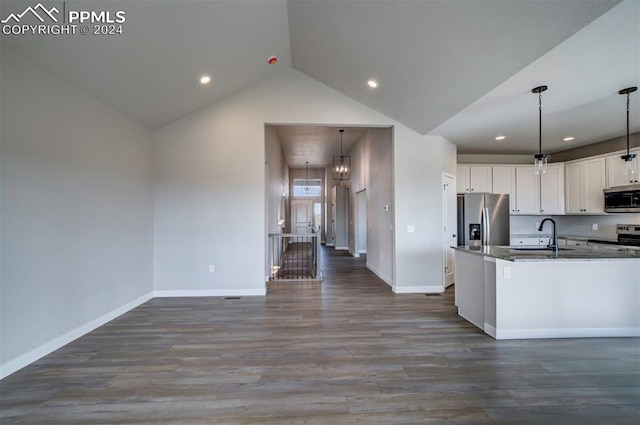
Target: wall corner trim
[[386, 279], [426, 289], [26, 359]]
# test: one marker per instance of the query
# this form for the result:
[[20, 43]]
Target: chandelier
[[341, 164]]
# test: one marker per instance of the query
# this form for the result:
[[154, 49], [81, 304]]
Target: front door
[[449, 212], [301, 216]]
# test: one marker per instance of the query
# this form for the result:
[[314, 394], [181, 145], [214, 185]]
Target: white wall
[[380, 202], [419, 164], [210, 179], [277, 178], [76, 213]]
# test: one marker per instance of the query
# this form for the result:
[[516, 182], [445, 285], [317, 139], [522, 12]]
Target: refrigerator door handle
[[487, 226], [483, 228]]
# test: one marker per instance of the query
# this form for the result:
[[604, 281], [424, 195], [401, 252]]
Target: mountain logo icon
[[34, 11]]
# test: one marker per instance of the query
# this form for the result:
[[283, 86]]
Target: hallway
[[348, 351]]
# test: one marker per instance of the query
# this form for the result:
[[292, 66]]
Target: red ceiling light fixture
[[341, 164]]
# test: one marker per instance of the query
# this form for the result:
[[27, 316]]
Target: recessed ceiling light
[[500, 137], [568, 139], [205, 79], [372, 83]]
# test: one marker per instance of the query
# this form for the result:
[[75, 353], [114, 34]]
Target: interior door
[[301, 216], [449, 213]]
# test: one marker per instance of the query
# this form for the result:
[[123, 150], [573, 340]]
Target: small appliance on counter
[[483, 219], [628, 235]]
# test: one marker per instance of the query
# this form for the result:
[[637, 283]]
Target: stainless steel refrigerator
[[483, 219]]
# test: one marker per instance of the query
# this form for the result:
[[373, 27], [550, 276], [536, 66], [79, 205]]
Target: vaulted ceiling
[[442, 66]]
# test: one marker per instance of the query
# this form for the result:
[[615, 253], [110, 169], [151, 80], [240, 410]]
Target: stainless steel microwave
[[622, 199]]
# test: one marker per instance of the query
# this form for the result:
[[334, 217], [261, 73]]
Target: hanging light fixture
[[306, 186], [630, 165], [540, 159], [341, 164]]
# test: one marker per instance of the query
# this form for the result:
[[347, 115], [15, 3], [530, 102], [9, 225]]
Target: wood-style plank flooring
[[348, 351]]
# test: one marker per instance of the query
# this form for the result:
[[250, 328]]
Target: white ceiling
[[433, 59], [151, 71], [584, 75]]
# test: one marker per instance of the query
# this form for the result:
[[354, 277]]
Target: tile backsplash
[[576, 225]]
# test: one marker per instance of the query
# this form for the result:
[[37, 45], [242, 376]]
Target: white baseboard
[[231, 292], [362, 251], [341, 248], [489, 330], [26, 359], [375, 271], [426, 289], [565, 333], [328, 244]]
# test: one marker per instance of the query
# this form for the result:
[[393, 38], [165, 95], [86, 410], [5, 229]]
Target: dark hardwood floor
[[346, 352]]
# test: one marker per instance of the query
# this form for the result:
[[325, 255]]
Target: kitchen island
[[529, 292]]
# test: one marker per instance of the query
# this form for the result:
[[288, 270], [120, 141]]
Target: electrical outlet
[[212, 268], [594, 226], [411, 228], [506, 272]]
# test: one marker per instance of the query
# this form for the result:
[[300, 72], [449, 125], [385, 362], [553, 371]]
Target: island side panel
[[564, 299], [469, 287], [490, 296]]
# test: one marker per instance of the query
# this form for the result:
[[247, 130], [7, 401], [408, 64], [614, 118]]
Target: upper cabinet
[[473, 179], [504, 181], [615, 170], [552, 190], [585, 181], [527, 190]]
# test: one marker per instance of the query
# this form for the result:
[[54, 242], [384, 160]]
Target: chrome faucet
[[555, 235]]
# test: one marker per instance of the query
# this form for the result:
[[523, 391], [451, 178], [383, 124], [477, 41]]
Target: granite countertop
[[534, 253]]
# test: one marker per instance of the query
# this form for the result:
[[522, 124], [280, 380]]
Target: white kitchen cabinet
[[462, 179], [574, 242], [585, 181], [527, 190], [552, 190], [525, 240], [615, 170], [504, 181], [473, 179]]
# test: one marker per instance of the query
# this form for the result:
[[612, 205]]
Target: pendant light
[[341, 164], [306, 186], [540, 160], [630, 166]]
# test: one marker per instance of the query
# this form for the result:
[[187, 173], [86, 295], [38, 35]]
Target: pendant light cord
[[628, 96], [540, 122]]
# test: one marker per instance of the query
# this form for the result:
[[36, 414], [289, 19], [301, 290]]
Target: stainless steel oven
[[628, 235], [622, 199]]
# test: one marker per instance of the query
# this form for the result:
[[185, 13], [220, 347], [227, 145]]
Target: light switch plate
[[594, 226], [411, 228]]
